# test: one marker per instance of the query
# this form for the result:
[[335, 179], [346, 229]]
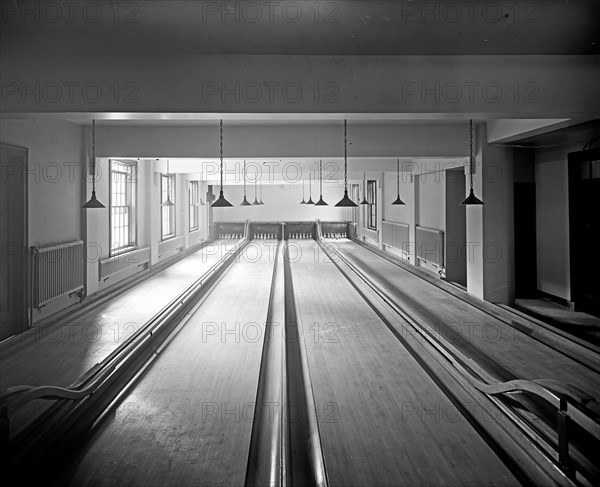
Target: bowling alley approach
[[303, 243]]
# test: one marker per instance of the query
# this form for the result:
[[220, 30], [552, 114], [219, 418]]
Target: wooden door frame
[[26, 259]]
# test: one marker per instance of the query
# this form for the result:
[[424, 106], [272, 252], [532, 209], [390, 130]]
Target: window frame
[[130, 186], [171, 209], [372, 206], [194, 206]]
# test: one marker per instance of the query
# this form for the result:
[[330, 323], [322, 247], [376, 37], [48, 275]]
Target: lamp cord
[[471, 152], [345, 158], [398, 173], [94, 155], [321, 178], [221, 156]]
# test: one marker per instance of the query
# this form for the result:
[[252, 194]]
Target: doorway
[[584, 229], [525, 240], [456, 228], [13, 240]]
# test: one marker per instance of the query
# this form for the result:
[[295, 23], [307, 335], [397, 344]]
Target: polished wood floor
[[61, 354], [383, 420], [189, 419], [505, 352]]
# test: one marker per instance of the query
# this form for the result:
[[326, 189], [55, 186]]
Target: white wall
[[432, 200], [54, 178], [552, 209], [282, 203], [398, 213]]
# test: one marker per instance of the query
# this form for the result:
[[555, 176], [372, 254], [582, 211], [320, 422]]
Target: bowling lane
[[189, 418], [59, 355], [498, 347], [383, 420]]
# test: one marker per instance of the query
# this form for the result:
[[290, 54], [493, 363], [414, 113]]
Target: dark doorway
[[456, 227], [13, 240], [584, 229], [525, 241]]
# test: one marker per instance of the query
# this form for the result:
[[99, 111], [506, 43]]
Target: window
[[167, 190], [194, 189], [122, 224], [372, 206]]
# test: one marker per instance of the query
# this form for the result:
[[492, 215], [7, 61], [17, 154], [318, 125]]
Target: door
[[584, 229], [13, 240], [525, 240]]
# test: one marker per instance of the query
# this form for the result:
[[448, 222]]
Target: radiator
[[429, 244], [57, 271], [395, 235]]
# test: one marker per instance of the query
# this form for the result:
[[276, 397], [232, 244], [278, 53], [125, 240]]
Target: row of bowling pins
[[266, 236], [335, 235], [300, 235], [229, 236]]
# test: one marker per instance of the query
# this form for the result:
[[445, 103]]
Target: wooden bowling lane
[[503, 350], [61, 354], [383, 420], [189, 418]]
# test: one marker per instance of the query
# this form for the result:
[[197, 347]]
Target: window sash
[[372, 206], [194, 210], [123, 230]]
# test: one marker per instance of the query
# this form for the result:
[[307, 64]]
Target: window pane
[[122, 205]]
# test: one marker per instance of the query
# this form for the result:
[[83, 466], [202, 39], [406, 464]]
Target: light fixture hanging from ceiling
[[321, 202], [364, 201], [93, 201], [310, 201], [256, 202], [245, 202], [221, 202], [168, 201], [471, 199], [398, 201], [345, 201]]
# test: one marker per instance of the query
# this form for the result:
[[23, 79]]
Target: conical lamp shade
[[310, 202], [345, 201], [303, 202], [321, 202], [255, 202], [398, 201], [93, 202], [245, 202], [221, 202], [472, 199], [364, 202], [167, 202]]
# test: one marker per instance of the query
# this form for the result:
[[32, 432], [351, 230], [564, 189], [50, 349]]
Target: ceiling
[[355, 27]]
